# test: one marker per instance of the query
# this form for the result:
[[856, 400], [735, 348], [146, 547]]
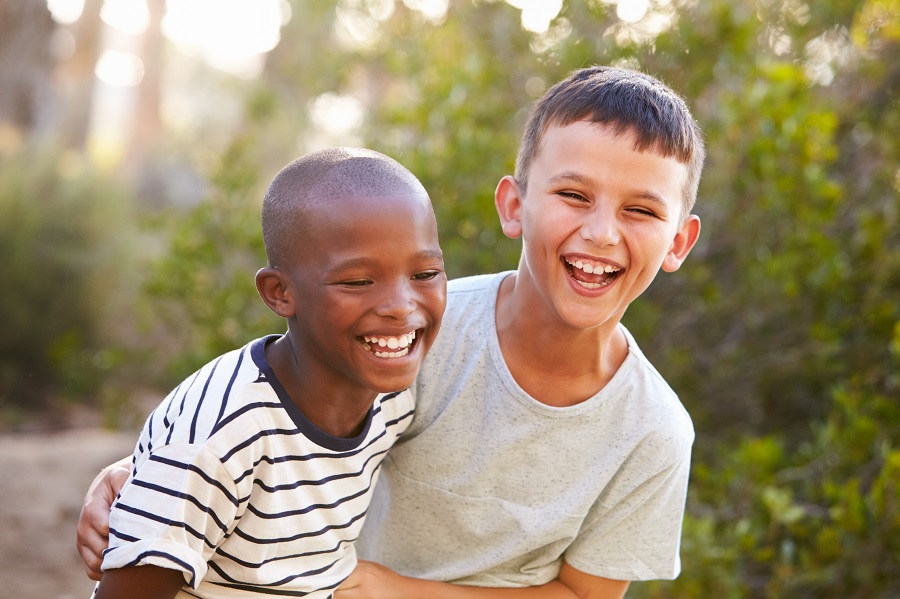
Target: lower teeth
[[396, 354]]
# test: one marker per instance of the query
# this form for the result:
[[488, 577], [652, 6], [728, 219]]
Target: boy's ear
[[272, 286], [508, 201], [682, 244]]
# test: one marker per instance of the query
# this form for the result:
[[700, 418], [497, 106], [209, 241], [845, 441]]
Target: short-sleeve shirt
[[490, 487], [233, 486]]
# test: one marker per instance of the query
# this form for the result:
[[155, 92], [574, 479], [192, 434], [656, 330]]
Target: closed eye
[[572, 196], [643, 211], [426, 276]]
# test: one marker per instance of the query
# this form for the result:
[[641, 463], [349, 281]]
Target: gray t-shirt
[[489, 487]]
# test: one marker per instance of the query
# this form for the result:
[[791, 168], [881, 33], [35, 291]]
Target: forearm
[[418, 588], [374, 581], [140, 582]]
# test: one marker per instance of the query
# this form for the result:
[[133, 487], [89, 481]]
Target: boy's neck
[[555, 364], [340, 412]]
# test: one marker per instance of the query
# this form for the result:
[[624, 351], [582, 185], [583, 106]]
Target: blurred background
[[137, 137]]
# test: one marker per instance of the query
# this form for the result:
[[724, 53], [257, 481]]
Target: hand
[[93, 523], [373, 581]]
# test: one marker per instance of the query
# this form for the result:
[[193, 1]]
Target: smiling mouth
[[590, 274], [390, 347]]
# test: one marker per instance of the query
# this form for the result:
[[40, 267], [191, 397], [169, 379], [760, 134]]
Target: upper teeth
[[592, 268], [392, 342]]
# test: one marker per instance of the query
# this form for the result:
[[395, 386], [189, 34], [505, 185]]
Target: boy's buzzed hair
[[321, 177], [623, 100]]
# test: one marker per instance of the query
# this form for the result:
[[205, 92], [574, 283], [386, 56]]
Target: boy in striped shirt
[[253, 477]]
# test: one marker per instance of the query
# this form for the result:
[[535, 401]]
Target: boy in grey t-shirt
[[547, 455]]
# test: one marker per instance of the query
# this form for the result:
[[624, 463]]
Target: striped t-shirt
[[235, 487]]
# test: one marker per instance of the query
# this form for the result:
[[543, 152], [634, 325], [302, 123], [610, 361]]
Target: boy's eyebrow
[[569, 177], [364, 261], [576, 177]]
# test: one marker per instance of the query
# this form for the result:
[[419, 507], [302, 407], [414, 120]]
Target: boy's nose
[[398, 301], [601, 227]]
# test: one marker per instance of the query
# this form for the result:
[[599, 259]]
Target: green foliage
[[202, 289], [64, 267], [821, 521]]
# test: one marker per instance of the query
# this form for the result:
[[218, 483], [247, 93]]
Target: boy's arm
[[140, 582], [374, 581], [93, 522]]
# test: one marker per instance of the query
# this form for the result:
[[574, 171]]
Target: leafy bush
[[820, 521], [64, 267]]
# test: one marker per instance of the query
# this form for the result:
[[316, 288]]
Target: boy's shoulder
[[214, 394], [471, 302], [475, 283], [653, 391]]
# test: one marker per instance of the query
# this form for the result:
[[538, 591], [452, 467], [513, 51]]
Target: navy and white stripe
[[236, 488]]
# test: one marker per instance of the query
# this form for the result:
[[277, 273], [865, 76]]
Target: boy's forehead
[[325, 205], [561, 133], [348, 210], [334, 227], [585, 150]]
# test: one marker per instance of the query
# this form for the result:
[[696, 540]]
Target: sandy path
[[43, 477]]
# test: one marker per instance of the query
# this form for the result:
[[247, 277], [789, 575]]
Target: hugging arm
[[374, 581], [368, 581]]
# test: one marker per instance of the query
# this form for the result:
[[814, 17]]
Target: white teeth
[[395, 354], [592, 268], [402, 343]]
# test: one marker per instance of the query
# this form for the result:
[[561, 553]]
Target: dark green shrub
[[822, 521], [63, 267]]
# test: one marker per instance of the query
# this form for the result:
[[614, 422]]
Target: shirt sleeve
[[173, 512], [637, 535]]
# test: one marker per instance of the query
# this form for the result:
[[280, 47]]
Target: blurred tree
[[148, 127], [26, 64], [76, 76], [64, 270]]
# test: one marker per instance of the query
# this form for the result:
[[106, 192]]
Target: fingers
[[92, 537], [92, 531], [91, 560]]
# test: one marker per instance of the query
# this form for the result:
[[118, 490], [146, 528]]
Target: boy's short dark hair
[[624, 100], [324, 176]]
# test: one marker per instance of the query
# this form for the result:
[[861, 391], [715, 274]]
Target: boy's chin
[[393, 384]]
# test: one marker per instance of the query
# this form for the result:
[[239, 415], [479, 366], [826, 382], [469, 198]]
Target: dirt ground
[[43, 477]]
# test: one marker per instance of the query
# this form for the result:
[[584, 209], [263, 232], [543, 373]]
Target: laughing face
[[368, 290], [598, 220]]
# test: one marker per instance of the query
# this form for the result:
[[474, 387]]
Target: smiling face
[[598, 221], [367, 291]]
